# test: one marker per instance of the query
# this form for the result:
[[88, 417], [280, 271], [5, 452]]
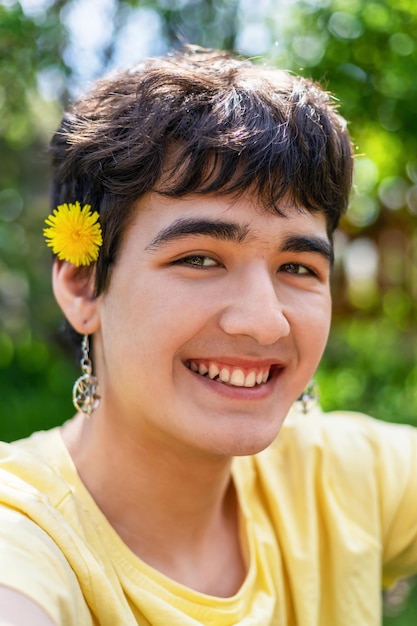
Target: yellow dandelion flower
[[74, 233]]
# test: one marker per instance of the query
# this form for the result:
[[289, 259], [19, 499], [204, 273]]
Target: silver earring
[[309, 398], [86, 392]]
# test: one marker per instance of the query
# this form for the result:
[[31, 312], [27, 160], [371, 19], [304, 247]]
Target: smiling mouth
[[232, 376]]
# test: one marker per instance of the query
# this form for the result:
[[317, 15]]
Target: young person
[[197, 195]]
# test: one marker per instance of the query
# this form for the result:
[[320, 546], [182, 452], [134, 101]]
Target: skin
[[18, 610], [198, 280]]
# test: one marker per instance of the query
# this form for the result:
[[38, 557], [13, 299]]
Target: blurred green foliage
[[365, 51], [370, 366]]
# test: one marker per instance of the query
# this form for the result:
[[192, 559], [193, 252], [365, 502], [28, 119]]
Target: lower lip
[[258, 392]]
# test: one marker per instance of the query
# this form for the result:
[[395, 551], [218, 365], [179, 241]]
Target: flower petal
[[74, 233]]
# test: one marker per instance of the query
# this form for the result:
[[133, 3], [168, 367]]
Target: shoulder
[[42, 554], [354, 454], [34, 469], [353, 476], [36, 571]]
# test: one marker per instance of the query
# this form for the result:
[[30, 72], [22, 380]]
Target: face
[[215, 319]]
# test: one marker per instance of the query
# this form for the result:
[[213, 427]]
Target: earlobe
[[74, 291]]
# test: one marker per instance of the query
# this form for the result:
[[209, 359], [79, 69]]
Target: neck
[[163, 504]]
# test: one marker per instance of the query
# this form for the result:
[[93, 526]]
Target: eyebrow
[[227, 231], [236, 233], [309, 243]]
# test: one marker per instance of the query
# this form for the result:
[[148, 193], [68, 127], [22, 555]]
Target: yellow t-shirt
[[327, 511]]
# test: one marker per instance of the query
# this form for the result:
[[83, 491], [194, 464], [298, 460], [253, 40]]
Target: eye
[[197, 260], [297, 269]]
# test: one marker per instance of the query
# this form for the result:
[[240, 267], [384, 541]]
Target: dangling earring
[[309, 398], [86, 393]]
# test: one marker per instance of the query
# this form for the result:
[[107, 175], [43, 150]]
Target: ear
[[73, 288]]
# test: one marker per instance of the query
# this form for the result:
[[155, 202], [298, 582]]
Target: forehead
[[156, 213]]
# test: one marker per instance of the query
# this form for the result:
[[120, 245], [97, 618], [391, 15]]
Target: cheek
[[319, 312], [310, 323], [155, 318]]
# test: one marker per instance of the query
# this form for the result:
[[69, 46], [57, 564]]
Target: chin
[[249, 441], [249, 448]]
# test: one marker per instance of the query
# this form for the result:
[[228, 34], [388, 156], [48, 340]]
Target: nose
[[254, 309]]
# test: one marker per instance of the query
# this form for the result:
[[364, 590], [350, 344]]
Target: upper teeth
[[231, 375]]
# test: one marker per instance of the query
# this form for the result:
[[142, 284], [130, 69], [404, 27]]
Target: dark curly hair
[[200, 121]]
